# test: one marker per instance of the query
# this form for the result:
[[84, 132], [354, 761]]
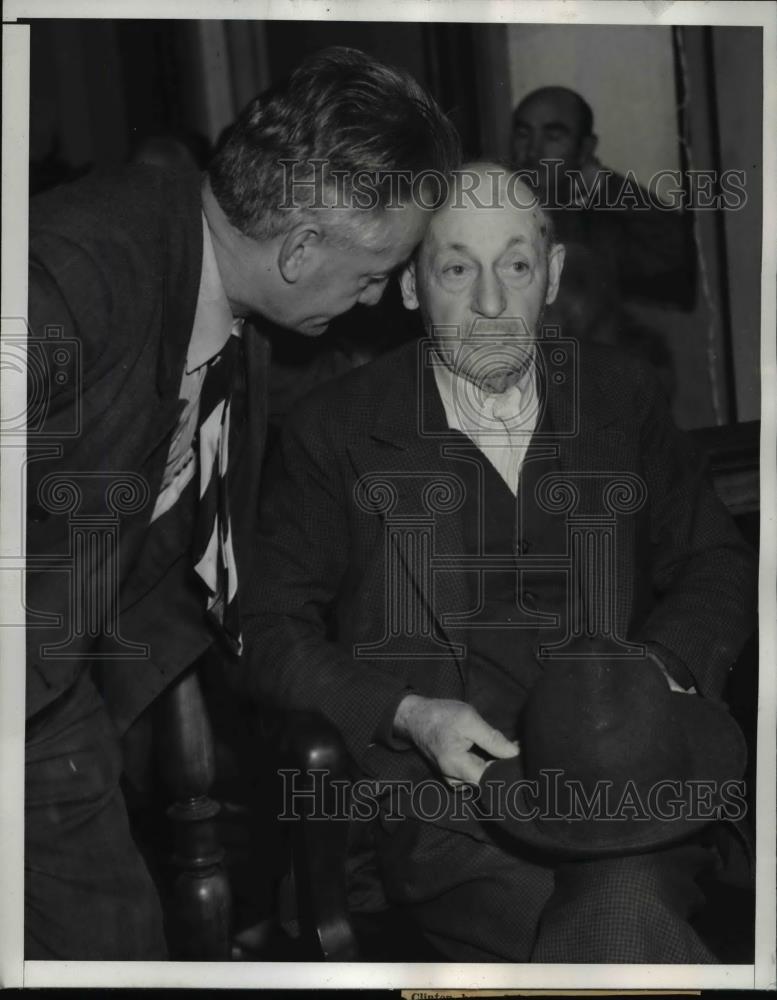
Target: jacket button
[[37, 514]]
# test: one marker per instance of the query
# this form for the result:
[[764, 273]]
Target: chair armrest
[[309, 741], [199, 921], [312, 747]]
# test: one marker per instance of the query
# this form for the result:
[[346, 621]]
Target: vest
[[518, 607]]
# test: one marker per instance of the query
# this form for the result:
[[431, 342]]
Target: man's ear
[[297, 251], [407, 284], [555, 267]]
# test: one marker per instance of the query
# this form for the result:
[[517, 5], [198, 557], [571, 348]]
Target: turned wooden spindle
[[311, 745], [201, 904]]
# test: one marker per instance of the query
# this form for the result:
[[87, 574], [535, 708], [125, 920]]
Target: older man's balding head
[[489, 188]]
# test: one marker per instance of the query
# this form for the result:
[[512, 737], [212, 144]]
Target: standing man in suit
[[149, 291], [417, 567]]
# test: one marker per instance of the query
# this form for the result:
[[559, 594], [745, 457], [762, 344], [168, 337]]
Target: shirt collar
[[468, 407], [213, 319]]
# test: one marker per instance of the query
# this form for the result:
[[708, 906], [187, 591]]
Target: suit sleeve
[[69, 298], [84, 294], [68, 314], [290, 661], [704, 574]]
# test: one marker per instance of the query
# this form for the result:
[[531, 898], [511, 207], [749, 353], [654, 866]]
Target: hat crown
[[610, 756], [603, 720]]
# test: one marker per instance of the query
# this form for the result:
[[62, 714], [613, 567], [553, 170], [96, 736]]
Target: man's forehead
[[558, 106], [460, 227], [395, 232]]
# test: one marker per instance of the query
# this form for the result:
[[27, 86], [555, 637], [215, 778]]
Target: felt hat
[[612, 761]]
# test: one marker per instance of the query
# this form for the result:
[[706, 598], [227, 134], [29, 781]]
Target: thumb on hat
[[491, 741]]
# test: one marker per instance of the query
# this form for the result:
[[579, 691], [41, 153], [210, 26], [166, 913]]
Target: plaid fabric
[[485, 902], [632, 909]]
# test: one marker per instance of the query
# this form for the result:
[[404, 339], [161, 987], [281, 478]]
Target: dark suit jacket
[[115, 266], [684, 576], [648, 253]]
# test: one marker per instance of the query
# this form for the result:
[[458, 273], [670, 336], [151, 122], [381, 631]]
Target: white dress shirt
[[213, 325], [500, 424]]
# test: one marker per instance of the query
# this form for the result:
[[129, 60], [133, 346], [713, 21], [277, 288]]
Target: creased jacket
[[115, 265]]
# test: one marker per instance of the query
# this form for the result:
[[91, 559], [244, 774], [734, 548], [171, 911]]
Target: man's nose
[[489, 298]]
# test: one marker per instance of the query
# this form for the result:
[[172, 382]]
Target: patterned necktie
[[213, 552]]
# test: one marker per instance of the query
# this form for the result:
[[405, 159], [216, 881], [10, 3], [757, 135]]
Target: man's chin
[[312, 328], [493, 380]]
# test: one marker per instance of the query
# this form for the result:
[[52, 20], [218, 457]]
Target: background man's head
[[552, 123], [185, 151], [320, 172], [486, 269]]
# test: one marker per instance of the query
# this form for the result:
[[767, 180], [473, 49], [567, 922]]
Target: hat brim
[[716, 754]]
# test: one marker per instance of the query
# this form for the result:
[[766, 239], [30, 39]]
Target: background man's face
[[482, 279], [549, 127]]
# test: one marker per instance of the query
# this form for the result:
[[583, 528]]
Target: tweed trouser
[[88, 894], [482, 901]]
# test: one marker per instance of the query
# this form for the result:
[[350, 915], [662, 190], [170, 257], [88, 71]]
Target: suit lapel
[[248, 413], [178, 305], [180, 286], [406, 451], [593, 454]]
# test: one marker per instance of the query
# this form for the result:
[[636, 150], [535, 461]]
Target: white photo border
[[277, 975]]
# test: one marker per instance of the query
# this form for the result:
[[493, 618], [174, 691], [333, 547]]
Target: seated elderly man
[[441, 530]]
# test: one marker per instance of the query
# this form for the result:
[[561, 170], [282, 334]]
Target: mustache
[[483, 365], [486, 329]]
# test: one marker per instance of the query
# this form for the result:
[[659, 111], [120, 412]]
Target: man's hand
[[673, 684], [445, 731]]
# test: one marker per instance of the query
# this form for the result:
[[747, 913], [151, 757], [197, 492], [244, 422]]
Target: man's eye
[[455, 270], [519, 266]]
